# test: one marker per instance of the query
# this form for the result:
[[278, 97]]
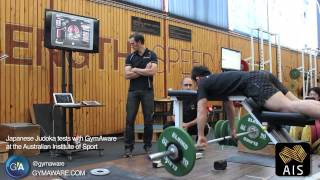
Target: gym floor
[[139, 167], [112, 151]]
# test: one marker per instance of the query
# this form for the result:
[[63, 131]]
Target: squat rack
[[262, 61], [312, 72]]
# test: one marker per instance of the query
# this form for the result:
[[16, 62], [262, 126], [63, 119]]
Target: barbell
[[173, 149], [177, 151]]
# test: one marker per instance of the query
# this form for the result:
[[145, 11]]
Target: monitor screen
[[63, 98], [71, 32], [230, 59]]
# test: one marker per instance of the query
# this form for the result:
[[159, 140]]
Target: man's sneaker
[[127, 153], [147, 149]]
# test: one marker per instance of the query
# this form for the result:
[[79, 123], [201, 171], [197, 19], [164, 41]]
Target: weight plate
[[294, 73], [313, 134], [293, 86], [244, 65], [228, 133], [224, 128], [317, 124], [317, 151], [100, 172], [228, 130], [219, 133], [181, 139], [224, 132], [315, 145], [237, 104], [233, 142], [256, 140], [217, 128], [295, 132], [306, 134]]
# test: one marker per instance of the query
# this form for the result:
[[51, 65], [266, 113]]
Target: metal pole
[[315, 70], [270, 54], [63, 71], [70, 91], [261, 58], [303, 74], [252, 53], [308, 79], [177, 109], [229, 137], [279, 58], [63, 89], [310, 70]]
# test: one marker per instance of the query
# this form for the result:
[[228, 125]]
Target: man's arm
[[129, 74], [147, 71], [202, 116], [229, 108], [191, 123]]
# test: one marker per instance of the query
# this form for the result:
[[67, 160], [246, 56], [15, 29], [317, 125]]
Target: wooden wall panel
[[32, 70], [182, 55]]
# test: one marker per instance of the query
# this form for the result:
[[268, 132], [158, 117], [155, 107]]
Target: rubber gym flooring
[[140, 168]]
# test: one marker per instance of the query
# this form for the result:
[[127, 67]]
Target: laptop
[[64, 100]]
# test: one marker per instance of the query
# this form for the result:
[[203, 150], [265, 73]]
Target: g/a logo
[[17, 167]]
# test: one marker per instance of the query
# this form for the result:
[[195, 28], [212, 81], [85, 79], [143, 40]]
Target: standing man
[[141, 66]]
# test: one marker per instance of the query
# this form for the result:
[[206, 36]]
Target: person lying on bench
[[263, 87], [189, 111]]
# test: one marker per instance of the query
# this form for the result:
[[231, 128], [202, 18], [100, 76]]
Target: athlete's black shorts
[[261, 85]]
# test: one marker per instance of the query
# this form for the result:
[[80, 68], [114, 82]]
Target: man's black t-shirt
[[220, 86], [189, 109], [136, 61]]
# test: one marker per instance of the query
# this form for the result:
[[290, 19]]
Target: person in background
[[189, 110], [314, 93]]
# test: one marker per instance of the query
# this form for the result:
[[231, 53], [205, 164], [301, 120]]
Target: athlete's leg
[[279, 102]]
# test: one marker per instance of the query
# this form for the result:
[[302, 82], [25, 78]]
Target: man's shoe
[[127, 153], [147, 149]]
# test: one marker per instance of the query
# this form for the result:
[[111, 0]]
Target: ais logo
[[17, 167], [292, 159]]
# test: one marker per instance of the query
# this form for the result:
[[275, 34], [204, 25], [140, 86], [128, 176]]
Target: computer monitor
[[230, 59], [71, 32]]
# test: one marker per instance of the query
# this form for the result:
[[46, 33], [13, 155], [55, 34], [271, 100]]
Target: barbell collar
[[172, 151]]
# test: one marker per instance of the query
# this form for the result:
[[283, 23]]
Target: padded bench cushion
[[281, 118], [182, 94]]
